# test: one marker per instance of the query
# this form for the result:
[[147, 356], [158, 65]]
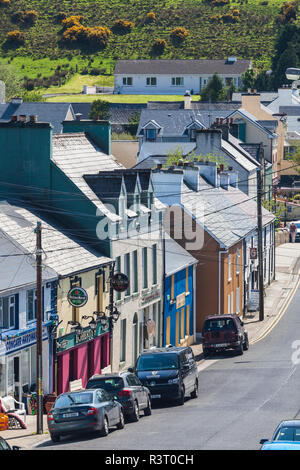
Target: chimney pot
[[78, 116], [221, 167], [159, 166], [14, 118], [249, 90], [33, 118], [22, 118]]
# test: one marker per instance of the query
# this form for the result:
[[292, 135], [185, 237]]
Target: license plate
[[221, 345], [155, 396], [70, 415]]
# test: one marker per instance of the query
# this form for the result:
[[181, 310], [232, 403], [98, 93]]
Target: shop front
[[18, 362], [79, 356], [150, 318]]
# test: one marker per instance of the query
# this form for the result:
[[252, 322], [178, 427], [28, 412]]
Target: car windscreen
[[219, 325], [4, 445], [288, 433], [157, 362], [110, 384], [72, 399], [297, 225]]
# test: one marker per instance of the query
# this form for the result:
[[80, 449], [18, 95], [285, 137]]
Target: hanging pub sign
[[77, 297], [119, 282]]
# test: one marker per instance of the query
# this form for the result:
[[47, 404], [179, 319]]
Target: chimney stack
[[33, 118], [187, 100]]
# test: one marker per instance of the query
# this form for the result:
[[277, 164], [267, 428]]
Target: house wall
[[232, 280], [178, 313], [164, 83]]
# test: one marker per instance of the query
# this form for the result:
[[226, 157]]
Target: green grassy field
[[116, 98], [252, 36]]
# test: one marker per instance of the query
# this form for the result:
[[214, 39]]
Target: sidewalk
[[277, 296]]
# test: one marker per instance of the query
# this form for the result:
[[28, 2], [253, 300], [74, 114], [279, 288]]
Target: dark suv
[[169, 373], [222, 332], [127, 390]]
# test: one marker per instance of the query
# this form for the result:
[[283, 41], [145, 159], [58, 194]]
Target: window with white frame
[[127, 81], [177, 81], [151, 81], [150, 134], [127, 270], [229, 267], [31, 305], [123, 341], [118, 270], [135, 285], [154, 264], [238, 256], [7, 312], [145, 267], [237, 298]]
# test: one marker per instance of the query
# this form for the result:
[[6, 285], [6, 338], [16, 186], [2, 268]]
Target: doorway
[[14, 377]]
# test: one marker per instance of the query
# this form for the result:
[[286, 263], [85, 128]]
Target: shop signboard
[[253, 253], [253, 304], [119, 282], [77, 297], [22, 340], [149, 297], [73, 339]]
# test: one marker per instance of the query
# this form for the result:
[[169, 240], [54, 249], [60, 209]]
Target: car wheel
[[55, 437], [148, 410], [121, 423], [246, 343], [205, 352], [194, 393], [240, 349], [135, 416], [180, 400], [105, 430]]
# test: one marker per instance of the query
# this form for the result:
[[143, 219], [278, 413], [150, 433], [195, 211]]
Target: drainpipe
[[221, 252]]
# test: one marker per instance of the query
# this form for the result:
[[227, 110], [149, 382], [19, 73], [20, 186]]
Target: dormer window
[[150, 134], [193, 134]]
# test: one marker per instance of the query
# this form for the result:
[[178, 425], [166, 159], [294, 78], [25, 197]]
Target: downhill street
[[241, 400]]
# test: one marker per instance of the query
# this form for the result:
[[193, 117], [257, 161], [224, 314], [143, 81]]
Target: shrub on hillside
[[71, 21], [150, 17], [15, 37], [74, 34], [179, 34], [122, 26], [25, 17], [159, 46], [97, 36]]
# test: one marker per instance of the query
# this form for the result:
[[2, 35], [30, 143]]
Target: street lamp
[[92, 323], [76, 326]]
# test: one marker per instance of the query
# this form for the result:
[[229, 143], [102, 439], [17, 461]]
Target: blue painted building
[[179, 301]]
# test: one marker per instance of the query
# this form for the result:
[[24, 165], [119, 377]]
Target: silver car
[[84, 410]]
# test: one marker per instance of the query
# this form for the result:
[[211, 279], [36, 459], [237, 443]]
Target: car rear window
[[157, 362], [72, 399], [110, 384], [217, 325]]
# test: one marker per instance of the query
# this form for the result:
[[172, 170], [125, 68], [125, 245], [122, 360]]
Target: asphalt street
[[241, 400]]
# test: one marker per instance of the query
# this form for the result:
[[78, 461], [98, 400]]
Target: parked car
[[127, 389], [286, 437], [221, 332], [169, 373], [84, 410], [4, 445]]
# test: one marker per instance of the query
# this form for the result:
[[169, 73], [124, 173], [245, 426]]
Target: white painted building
[[174, 77]]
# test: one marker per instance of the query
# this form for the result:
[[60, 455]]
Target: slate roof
[[77, 155], [219, 106], [177, 258], [151, 162], [62, 254], [238, 156], [119, 113], [181, 66], [290, 110], [266, 97], [17, 265], [55, 113], [172, 122]]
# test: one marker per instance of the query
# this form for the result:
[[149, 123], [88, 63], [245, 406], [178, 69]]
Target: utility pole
[[260, 238], [39, 326]]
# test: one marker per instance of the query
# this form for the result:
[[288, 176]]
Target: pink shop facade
[[80, 357]]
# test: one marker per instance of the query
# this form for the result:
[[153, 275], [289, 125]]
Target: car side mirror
[[242, 323], [16, 447], [130, 369], [262, 441]]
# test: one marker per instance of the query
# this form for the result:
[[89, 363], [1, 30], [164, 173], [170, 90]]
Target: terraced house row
[[181, 235]]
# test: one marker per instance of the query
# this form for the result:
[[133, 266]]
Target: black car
[[169, 373], [127, 389]]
